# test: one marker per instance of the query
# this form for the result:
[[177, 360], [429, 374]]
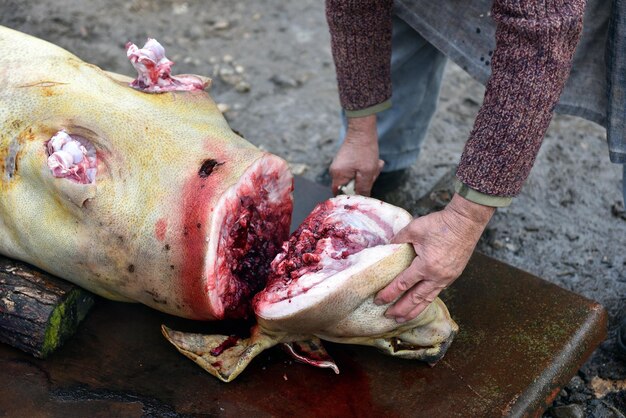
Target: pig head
[[182, 214]]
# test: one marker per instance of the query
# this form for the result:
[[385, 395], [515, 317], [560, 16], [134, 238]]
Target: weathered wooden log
[[38, 312]]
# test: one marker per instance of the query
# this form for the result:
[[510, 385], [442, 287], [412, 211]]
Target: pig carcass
[[152, 198], [134, 196], [322, 286]]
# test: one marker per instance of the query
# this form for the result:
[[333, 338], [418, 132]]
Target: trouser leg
[[624, 184], [416, 72], [621, 329]]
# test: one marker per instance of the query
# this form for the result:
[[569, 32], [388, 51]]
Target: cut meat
[[340, 237], [254, 217]]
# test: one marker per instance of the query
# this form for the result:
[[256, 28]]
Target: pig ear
[[311, 352], [71, 162], [220, 355]]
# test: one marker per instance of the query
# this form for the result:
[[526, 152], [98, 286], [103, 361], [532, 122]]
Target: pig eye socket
[[72, 157]]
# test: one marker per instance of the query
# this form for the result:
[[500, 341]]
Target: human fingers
[[421, 307], [406, 234], [363, 183], [340, 177], [365, 178], [414, 301], [402, 282]]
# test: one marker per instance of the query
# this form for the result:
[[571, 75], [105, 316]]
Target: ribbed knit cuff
[[480, 198], [369, 110]]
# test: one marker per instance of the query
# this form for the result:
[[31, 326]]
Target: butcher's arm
[[360, 36], [360, 32], [535, 43]]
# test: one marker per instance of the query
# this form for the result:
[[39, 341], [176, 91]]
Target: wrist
[[365, 124], [474, 212]]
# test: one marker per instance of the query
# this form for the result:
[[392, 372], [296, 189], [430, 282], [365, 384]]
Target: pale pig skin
[[182, 215], [169, 172]]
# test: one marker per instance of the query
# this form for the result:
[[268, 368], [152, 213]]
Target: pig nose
[[207, 167]]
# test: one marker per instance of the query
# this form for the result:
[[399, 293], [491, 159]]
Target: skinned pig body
[[178, 201]]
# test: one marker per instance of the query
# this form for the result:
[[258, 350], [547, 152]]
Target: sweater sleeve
[[535, 43], [360, 32]]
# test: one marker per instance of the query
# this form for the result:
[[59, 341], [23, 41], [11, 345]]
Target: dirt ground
[[273, 76]]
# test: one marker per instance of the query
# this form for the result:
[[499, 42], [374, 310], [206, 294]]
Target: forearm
[[535, 43], [360, 33], [364, 125]]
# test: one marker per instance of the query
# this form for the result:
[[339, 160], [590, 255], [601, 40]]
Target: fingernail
[[378, 301], [400, 320]]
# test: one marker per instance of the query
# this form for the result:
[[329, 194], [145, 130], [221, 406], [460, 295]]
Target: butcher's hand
[[443, 242], [358, 156]]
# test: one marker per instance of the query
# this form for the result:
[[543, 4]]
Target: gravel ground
[[273, 76]]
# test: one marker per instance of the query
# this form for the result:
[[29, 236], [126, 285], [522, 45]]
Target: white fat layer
[[322, 284], [277, 193], [394, 217], [61, 160], [359, 220], [264, 166]]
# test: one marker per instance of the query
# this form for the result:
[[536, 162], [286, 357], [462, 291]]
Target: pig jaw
[[249, 225]]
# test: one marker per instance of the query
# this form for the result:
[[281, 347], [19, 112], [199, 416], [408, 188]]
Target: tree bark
[[38, 311]]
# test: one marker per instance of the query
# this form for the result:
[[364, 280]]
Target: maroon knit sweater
[[535, 42]]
